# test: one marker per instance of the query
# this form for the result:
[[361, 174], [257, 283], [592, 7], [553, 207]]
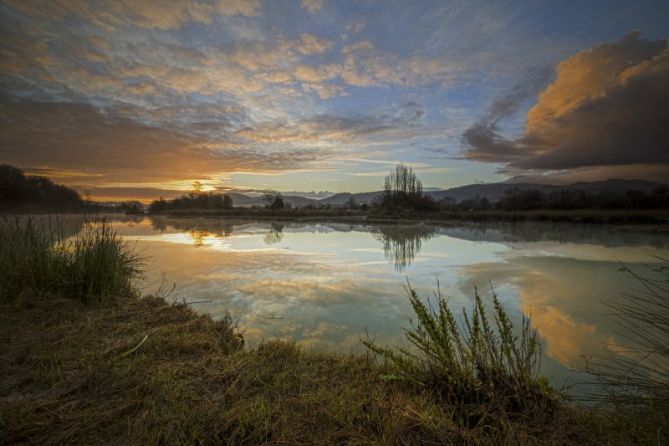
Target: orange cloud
[[606, 107]]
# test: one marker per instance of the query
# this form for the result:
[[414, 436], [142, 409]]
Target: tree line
[[19, 191], [193, 200], [402, 191], [518, 199]]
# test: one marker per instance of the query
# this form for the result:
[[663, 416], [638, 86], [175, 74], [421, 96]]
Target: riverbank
[[657, 217], [86, 360], [143, 371]]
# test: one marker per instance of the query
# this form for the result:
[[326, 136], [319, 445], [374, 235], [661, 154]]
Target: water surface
[[326, 285]]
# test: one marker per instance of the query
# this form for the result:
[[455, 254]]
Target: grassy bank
[[85, 360], [74, 374], [608, 216]]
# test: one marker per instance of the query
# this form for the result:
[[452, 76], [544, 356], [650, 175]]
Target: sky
[[140, 98]]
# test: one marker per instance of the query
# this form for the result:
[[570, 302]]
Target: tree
[[197, 189], [158, 205], [403, 180], [20, 191], [273, 198], [403, 189], [227, 201], [192, 200]]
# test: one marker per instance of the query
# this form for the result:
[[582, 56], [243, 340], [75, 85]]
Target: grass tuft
[[37, 259]]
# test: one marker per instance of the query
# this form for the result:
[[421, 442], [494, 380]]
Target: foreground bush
[[481, 363], [94, 264]]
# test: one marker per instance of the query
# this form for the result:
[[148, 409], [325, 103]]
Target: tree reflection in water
[[199, 236], [198, 229], [274, 235], [402, 243]]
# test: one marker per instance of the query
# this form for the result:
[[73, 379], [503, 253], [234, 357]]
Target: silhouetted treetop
[[19, 191], [403, 190], [193, 200]]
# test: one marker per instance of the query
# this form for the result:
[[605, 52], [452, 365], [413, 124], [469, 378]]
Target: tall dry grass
[[636, 373], [37, 258]]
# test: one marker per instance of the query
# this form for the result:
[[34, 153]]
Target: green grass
[[36, 258], [482, 364]]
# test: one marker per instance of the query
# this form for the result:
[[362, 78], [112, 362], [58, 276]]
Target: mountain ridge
[[491, 191]]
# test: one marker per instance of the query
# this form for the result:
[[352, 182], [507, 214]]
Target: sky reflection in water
[[326, 285]]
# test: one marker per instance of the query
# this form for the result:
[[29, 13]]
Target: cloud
[[326, 91], [241, 7], [78, 136], [150, 14], [313, 5], [606, 107], [310, 44], [650, 172], [367, 66], [138, 67], [144, 148], [355, 27], [327, 129], [486, 144], [309, 73]]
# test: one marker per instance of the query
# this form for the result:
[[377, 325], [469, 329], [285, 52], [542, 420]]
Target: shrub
[[479, 363]]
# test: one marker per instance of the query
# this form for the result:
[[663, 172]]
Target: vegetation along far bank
[[402, 199]]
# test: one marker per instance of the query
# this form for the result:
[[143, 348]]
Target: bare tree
[[403, 180], [403, 189], [273, 198]]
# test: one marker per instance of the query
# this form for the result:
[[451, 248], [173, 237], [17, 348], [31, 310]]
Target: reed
[[636, 373], [36, 258]]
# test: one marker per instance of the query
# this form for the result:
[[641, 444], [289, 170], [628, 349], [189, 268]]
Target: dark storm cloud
[[483, 139], [606, 107]]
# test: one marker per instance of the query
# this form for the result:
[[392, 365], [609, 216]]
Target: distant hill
[[492, 191], [496, 191], [341, 198], [247, 201]]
